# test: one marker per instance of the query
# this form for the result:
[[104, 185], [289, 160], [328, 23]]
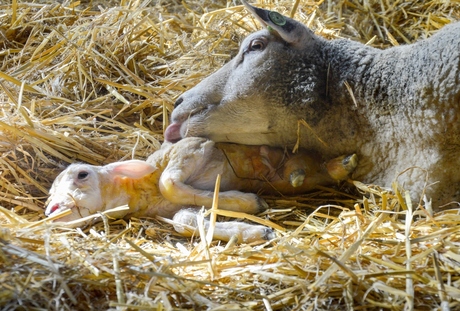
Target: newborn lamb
[[183, 175]]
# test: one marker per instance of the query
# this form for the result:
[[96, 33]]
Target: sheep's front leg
[[186, 224], [174, 189]]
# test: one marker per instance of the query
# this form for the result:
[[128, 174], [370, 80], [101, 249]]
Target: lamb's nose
[[178, 102]]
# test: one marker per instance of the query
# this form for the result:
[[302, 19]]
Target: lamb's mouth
[[56, 208], [59, 208]]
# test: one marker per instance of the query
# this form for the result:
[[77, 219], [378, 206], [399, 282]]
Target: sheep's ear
[[133, 168], [289, 30]]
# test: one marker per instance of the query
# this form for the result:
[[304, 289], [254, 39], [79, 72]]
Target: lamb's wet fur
[[396, 108]]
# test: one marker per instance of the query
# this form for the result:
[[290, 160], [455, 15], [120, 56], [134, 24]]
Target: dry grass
[[95, 83]]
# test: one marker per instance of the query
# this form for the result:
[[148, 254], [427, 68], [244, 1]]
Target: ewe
[[396, 108]]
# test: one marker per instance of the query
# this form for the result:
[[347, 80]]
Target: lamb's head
[[270, 76], [86, 189]]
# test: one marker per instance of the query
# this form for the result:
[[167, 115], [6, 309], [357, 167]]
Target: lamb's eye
[[82, 175], [257, 45]]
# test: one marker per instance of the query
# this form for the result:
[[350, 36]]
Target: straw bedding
[[95, 82]]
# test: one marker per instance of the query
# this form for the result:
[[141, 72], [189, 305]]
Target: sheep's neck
[[390, 103]]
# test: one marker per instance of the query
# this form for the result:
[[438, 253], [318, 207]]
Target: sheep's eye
[[256, 45], [82, 175]]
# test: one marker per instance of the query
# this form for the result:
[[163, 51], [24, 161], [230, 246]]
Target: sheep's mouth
[[172, 133]]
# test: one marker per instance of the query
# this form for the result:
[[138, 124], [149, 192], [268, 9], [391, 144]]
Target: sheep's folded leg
[[186, 224]]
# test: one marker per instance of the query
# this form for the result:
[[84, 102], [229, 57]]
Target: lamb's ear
[[133, 168], [289, 30]]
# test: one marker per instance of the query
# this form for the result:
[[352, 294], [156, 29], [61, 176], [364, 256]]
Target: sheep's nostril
[[178, 102]]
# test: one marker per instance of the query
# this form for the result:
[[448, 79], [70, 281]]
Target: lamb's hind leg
[[186, 224], [341, 167]]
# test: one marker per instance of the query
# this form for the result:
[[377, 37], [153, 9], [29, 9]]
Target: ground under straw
[[93, 82]]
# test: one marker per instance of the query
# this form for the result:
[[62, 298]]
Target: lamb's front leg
[[186, 224], [174, 189], [200, 170]]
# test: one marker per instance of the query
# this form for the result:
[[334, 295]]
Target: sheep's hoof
[[297, 177]]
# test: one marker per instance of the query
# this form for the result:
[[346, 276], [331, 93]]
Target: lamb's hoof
[[269, 234], [297, 177], [261, 204], [339, 168]]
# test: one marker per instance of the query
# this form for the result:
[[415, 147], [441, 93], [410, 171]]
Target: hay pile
[[95, 82]]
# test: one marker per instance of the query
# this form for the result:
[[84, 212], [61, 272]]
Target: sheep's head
[[87, 189], [273, 75]]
